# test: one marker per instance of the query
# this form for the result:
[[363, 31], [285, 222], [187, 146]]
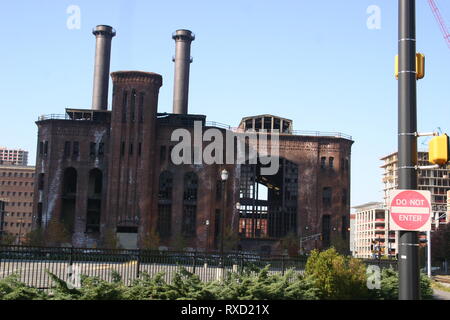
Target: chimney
[[103, 37], [183, 39]]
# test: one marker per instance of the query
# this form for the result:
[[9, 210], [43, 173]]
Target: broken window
[[133, 105], [101, 148], [76, 149], [41, 148], [122, 149], [69, 189], [69, 181], [322, 162], [326, 229], [331, 162], [141, 107], [94, 202], [67, 149], [95, 182], [41, 181], [190, 204], [92, 148], [165, 204], [326, 196], [124, 106]]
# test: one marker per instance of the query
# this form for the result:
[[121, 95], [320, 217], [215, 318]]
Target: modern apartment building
[[13, 156], [370, 232], [16, 193]]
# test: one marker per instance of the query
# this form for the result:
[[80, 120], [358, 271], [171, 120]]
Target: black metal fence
[[32, 263]]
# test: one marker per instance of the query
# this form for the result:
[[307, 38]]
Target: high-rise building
[[13, 156], [16, 194], [435, 180]]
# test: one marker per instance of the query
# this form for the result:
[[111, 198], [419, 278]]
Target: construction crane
[[440, 20]]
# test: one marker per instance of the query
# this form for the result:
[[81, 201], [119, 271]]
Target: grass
[[439, 286]]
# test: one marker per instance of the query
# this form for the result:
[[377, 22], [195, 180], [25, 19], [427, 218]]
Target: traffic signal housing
[[420, 66], [438, 150]]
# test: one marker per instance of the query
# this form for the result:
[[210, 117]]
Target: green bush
[[328, 275], [389, 286], [337, 276], [11, 288]]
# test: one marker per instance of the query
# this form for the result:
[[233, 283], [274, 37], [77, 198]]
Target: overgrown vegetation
[[328, 275]]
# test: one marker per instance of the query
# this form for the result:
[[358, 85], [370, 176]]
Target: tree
[[56, 233], [110, 240], [337, 276], [7, 239], [179, 242], [151, 241], [341, 245], [291, 243], [440, 243], [230, 239], [35, 238]]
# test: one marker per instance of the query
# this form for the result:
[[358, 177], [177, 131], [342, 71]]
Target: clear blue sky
[[315, 62]]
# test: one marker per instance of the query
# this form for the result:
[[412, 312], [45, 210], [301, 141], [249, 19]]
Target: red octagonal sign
[[410, 210]]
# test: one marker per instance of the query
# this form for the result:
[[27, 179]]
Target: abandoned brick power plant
[[103, 172]]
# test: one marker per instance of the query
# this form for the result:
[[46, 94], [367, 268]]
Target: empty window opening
[[323, 162], [124, 106], [165, 204], [326, 196], [41, 181], [268, 204], [92, 148], [101, 148], [141, 107], [132, 105], [190, 204], [67, 145], [76, 149]]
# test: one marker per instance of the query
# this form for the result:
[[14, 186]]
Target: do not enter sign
[[410, 210]]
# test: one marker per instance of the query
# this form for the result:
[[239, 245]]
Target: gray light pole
[[408, 263]]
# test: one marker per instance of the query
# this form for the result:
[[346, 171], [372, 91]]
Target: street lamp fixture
[[224, 175]]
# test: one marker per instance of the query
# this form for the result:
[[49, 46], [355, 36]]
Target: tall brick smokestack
[[103, 37], [183, 39]]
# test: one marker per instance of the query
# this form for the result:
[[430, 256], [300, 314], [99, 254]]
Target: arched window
[[165, 204], [190, 204]]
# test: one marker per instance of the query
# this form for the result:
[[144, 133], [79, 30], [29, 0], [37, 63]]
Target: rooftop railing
[[221, 125]]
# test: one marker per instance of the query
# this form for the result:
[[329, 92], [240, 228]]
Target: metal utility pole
[[408, 263]]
